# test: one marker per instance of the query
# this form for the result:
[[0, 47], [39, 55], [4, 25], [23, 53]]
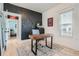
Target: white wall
[[71, 42], [1, 6]]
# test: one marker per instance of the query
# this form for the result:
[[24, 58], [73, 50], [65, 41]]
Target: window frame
[[59, 24]]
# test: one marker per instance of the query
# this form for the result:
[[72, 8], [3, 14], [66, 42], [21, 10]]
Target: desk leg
[[31, 45], [36, 48], [51, 43], [46, 41], [35, 52]]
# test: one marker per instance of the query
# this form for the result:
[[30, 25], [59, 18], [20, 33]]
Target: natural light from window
[[66, 23]]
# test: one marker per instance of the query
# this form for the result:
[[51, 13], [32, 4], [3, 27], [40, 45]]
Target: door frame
[[19, 22], [16, 27]]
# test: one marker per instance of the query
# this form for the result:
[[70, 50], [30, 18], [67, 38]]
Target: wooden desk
[[37, 38]]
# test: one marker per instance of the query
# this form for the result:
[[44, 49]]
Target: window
[[66, 23]]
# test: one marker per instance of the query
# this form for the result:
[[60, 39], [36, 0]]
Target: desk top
[[39, 36]]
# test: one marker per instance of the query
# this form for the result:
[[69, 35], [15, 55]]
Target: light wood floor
[[14, 43], [11, 49]]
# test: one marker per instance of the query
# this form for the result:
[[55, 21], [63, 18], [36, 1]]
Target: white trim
[[63, 11], [19, 22], [1, 6]]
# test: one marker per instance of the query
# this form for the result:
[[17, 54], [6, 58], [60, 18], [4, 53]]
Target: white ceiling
[[39, 7]]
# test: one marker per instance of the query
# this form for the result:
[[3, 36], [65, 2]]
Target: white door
[[6, 29], [2, 33], [0, 38]]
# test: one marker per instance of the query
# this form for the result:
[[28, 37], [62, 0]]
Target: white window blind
[[66, 23]]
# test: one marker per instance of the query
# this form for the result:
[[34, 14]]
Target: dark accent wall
[[29, 18]]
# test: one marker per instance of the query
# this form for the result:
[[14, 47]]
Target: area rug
[[25, 50]]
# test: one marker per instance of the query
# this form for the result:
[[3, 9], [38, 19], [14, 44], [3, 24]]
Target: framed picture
[[50, 22]]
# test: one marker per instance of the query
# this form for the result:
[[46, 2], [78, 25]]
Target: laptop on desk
[[35, 31]]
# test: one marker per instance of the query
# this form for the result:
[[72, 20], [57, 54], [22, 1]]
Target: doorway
[[13, 25], [13, 28], [10, 26]]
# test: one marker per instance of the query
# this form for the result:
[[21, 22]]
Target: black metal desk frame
[[35, 51]]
